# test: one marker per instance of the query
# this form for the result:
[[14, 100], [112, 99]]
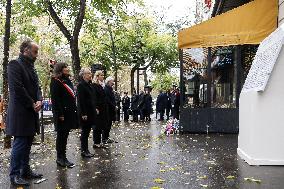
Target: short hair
[[83, 71], [58, 67], [27, 44], [108, 79]]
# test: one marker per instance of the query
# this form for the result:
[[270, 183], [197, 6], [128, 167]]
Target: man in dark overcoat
[[24, 104], [147, 108], [134, 106], [87, 110], [125, 106], [175, 102], [168, 104], [161, 104]]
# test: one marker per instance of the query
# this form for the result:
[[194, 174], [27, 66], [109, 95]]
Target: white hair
[[108, 79], [83, 71]]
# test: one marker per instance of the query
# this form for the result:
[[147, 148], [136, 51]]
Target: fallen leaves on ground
[[159, 181], [251, 179]]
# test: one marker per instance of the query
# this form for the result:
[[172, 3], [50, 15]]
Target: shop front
[[215, 58]]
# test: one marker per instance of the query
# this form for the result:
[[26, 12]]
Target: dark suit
[[134, 107], [125, 107], [22, 121], [147, 107], [110, 99], [64, 105], [161, 104], [86, 107], [101, 119], [176, 104]]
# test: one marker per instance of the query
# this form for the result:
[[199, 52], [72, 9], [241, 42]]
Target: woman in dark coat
[[86, 108], [101, 118], [111, 106], [147, 108], [64, 110]]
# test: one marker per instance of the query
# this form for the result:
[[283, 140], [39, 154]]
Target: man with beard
[[24, 104], [64, 110]]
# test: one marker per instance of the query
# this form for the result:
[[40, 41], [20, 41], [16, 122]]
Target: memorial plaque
[[263, 63]]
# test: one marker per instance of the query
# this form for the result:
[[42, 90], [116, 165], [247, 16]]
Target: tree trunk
[[132, 80], [72, 39], [76, 66], [7, 139]]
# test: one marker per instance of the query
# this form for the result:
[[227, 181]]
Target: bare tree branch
[[58, 21], [79, 19]]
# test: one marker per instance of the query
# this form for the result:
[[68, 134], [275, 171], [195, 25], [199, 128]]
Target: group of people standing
[[92, 107], [169, 103]]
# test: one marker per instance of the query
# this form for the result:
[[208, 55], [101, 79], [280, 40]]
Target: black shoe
[[61, 162], [32, 175], [97, 146], [69, 164], [19, 181], [87, 154], [109, 141]]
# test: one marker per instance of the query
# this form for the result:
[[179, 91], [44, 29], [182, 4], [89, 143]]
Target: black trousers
[[168, 110], [61, 143], [97, 135], [162, 113], [176, 113], [20, 155], [125, 114], [85, 132], [135, 115], [117, 114], [106, 131]]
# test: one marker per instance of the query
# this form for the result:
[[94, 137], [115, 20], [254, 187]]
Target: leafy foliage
[[164, 81]]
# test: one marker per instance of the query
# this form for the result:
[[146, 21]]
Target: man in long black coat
[[134, 106], [161, 104], [125, 106], [24, 104], [87, 109], [111, 105]]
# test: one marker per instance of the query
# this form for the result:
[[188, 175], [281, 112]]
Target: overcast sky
[[174, 8]]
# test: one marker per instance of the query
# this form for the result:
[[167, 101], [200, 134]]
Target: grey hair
[[108, 79], [83, 71]]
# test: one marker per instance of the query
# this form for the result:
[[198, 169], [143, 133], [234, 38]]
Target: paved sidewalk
[[143, 158]]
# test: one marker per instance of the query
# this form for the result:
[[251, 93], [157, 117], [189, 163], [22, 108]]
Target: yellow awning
[[247, 24]]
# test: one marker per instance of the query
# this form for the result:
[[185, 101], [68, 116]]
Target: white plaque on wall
[[264, 60]]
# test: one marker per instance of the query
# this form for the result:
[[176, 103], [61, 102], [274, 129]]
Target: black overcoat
[[110, 99], [24, 91], [101, 119], [86, 103], [161, 102], [134, 102], [125, 103], [63, 104]]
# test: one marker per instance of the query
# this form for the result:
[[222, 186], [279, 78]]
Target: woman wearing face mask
[[64, 110], [101, 108], [86, 107]]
